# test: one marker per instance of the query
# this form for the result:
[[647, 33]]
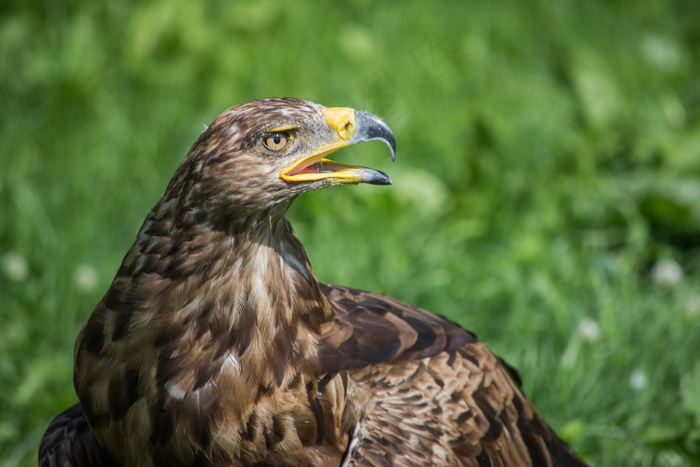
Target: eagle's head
[[262, 154]]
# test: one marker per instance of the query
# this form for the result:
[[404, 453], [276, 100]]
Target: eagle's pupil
[[277, 139]]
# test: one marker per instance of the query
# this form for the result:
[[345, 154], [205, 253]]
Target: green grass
[[549, 161]]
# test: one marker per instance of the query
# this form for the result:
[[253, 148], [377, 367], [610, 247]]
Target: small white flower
[[661, 52], [667, 273], [15, 266], [589, 330], [691, 306], [638, 380], [85, 278]]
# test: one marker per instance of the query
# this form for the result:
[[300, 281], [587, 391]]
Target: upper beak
[[352, 127]]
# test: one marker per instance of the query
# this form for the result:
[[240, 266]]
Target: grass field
[[546, 191]]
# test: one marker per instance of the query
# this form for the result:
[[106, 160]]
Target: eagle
[[215, 345]]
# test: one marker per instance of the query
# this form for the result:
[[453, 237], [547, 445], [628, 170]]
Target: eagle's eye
[[276, 141]]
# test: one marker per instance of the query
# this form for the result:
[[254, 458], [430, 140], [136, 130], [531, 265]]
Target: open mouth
[[323, 166], [317, 167]]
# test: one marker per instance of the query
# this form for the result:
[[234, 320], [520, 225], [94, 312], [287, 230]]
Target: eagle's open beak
[[353, 127]]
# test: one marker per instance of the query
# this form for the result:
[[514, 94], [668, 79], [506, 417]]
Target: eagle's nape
[[215, 344]]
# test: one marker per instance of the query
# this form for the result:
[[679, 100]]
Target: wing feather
[[436, 395], [68, 442]]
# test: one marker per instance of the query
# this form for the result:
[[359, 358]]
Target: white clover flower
[[15, 266], [638, 380], [589, 330], [667, 273], [85, 278]]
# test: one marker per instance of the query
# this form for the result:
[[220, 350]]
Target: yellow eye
[[276, 141]]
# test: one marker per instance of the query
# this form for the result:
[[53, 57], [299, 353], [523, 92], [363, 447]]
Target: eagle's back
[[439, 397]]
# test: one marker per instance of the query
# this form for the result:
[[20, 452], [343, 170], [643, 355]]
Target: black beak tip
[[379, 178]]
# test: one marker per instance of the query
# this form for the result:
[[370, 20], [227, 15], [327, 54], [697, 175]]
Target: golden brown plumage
[[216, 346]]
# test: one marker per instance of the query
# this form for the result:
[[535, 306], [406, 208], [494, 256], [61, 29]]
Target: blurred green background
[[546, 192]]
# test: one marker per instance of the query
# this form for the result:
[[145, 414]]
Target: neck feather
[[245, 294]]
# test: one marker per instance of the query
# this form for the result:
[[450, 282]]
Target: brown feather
[[215, 344]]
